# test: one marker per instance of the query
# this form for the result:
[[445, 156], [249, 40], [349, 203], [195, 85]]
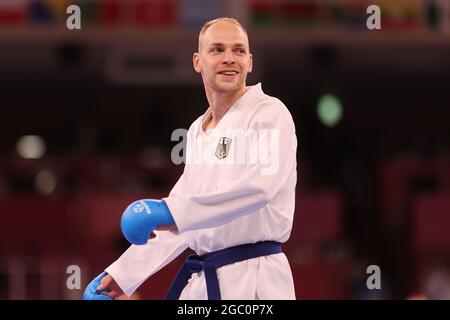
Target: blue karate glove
[[91, 293], [142, 217]]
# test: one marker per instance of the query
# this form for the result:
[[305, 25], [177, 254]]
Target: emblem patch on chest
[[223, 147]]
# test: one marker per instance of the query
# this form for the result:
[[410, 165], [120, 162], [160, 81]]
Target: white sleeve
[[251, 192], [139, 262]]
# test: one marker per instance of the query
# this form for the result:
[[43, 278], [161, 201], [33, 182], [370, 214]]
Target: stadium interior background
[[86, 118]]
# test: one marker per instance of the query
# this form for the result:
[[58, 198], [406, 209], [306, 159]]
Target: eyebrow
[[221, 44]]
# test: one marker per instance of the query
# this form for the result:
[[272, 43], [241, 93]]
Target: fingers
[[109, 287], [104, 287], [104, 282], [111, 294]]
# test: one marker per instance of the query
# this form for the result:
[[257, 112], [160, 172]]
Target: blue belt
[[211, 261]]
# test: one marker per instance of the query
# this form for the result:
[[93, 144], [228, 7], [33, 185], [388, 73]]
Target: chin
[[227, 87]]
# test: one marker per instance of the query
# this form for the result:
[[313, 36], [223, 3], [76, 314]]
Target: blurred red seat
[[395, 183], [430, 232], [430, 223], [34, 225], [325, 280], [317, 220]]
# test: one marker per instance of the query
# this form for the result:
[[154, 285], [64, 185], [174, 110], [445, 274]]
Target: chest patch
[[223, 147]]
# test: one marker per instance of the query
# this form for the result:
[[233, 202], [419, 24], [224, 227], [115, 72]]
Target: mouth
[[228, 73]]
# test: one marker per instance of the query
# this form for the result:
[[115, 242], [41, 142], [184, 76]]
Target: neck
[[221, 102]]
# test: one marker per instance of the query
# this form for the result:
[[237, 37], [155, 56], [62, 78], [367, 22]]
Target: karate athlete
[[233, 204]]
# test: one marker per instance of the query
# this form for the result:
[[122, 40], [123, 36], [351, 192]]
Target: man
[[233, 204]]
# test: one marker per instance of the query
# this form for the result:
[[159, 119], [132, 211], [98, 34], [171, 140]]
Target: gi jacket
[[238, 186]]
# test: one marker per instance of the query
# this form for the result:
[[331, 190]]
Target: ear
[[250, 63], [196, 62]]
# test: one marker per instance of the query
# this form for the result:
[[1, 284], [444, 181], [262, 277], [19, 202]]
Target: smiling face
[[223, 59]]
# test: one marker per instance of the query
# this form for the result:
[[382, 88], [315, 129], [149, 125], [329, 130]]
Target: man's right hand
[[142, 217], [103, 287]]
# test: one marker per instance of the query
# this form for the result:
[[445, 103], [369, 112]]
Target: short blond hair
[[209, 23]]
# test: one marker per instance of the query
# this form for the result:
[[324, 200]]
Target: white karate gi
[[220, 203]]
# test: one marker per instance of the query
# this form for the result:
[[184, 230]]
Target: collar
[[249, 95]]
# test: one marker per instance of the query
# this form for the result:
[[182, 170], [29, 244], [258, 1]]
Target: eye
[[216, 50], [240, 50]]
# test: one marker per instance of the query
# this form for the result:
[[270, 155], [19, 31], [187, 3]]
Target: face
[[223, 59]]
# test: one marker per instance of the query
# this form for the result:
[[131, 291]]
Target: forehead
[[224, 32]]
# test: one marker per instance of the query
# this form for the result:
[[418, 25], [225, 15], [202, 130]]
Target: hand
[[92, 293], [103, 287], [109, 287], [142, 217]]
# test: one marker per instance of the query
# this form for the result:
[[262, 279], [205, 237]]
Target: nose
[[228, 57]]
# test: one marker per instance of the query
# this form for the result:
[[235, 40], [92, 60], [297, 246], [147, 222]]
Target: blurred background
[[86, 118]]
